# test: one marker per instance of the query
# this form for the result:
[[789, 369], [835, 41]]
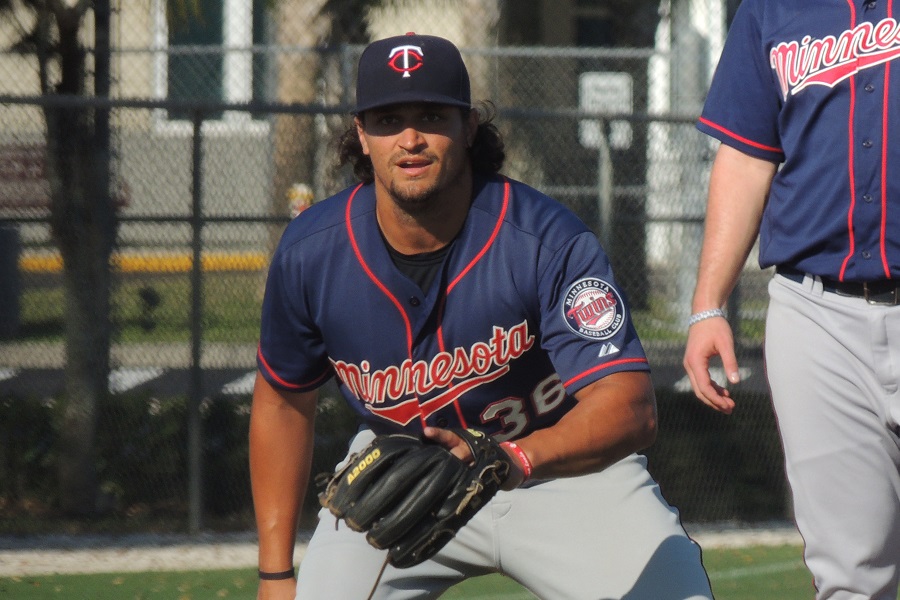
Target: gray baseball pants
[[603, 536], [833, 364]]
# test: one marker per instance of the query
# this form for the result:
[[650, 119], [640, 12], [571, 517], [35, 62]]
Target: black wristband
[[273, 576]]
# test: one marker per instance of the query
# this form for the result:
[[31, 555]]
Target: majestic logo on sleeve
[[832, 59], [406, 59], [455, 371], [593, 309]]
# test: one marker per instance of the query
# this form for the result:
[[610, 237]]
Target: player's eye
[[388, 119]]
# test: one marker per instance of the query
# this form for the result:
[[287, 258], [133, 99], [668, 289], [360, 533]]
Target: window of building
[[213, 56], [593, 27]]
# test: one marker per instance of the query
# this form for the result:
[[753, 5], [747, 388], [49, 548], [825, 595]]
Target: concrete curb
[[46, 555]]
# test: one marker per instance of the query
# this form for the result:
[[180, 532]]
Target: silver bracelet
[[705, 314]]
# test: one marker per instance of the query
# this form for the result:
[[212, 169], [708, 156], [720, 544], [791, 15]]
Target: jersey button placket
[[414, 301]]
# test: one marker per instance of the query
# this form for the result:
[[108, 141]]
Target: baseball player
[[812, 86], [443, 295]]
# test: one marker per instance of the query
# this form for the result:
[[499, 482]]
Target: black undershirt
[[422, 268]]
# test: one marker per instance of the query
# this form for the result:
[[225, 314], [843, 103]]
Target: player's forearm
[[614, 418], [281, 440], [738, 188]]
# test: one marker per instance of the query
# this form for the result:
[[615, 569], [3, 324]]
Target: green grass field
[[753, 573]]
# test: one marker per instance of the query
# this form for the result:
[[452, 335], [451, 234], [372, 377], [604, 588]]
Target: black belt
[[881, 291]]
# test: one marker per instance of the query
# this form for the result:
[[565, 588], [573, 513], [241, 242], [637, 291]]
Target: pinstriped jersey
[[815, 84], [524, 312]]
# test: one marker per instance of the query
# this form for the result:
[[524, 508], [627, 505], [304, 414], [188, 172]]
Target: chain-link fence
[[222, 124]]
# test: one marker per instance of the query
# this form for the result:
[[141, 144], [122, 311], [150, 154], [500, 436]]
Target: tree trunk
[[83, 224], [87, 285], [294, 136], [298, 73]]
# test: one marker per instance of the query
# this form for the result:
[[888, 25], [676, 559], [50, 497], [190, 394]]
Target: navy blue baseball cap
[[411, 68]]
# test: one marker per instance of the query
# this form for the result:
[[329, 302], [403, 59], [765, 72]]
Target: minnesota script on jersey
[[524, 313]]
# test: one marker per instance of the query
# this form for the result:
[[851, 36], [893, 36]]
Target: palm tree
[[83, 219]]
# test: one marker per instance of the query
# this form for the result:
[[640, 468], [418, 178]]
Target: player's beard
[[416, 197]]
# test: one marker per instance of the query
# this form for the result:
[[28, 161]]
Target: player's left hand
[[411, 496], [459, 448]]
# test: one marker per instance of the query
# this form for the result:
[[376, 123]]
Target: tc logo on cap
[[384, 76], [405, 59]]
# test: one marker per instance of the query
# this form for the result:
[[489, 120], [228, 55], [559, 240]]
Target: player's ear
[[360, 131]]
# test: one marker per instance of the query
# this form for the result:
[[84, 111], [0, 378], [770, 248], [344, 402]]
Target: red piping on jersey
[[282, 382], [739, 138], [490, 241], [375, 280], [850, 171], [604, 366], [371, 275], [458, 278], [459, 413], [884, 152], [442, 347], [440, 329]]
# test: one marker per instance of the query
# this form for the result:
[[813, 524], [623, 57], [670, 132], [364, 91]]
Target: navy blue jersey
[[525, 312], [813, 84]]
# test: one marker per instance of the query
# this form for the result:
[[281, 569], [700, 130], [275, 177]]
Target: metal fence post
[[734, 316], [195, 390], [604, 188]]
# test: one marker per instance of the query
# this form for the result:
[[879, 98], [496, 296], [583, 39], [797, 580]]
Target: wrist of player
[[281, 589], [699, 316], [708, 300], [277, 574], [521, 466]]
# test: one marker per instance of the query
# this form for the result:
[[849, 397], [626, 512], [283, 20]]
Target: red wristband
[[523, 458]]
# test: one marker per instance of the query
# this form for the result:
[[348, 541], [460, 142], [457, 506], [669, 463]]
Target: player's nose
[[411, 139]]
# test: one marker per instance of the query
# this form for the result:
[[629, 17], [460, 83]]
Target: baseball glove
[[412, 496]]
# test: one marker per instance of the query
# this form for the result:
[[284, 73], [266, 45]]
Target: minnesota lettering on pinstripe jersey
[[482, 362], [830, 60]]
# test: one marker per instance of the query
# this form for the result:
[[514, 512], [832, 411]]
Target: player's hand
[[708, 338], [280, 589], [450, 441], [460, 449]]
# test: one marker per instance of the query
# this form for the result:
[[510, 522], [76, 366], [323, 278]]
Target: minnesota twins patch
[[593, 309]]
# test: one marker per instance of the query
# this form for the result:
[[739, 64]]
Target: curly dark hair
[[487, 152]]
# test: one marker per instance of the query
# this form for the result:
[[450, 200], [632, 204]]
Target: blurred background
[[152, 151]]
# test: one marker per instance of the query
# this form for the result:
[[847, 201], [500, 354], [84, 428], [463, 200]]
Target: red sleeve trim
[[739, 138], [286, 384], [604, 366]]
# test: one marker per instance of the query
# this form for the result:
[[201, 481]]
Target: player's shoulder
[[760, 6], [771, 14], [325, 217], [531, 211]]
